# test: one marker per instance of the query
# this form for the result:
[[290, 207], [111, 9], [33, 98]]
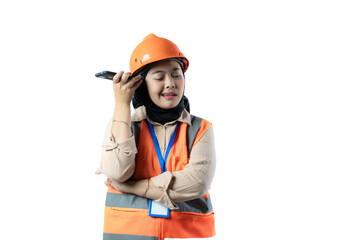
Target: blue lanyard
[[162, 160]]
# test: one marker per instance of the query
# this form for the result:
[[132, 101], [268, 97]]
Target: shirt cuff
[[163, 181]]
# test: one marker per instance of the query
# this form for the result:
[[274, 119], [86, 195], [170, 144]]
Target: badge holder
[[158, 210]]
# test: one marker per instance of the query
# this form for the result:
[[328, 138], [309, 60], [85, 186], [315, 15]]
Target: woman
[[161, 160]]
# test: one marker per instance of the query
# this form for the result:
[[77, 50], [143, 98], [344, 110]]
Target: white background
[[278, 79]]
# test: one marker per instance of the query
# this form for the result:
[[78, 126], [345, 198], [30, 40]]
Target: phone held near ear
[[108, 75]]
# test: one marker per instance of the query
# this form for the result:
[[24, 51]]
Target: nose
[[169, 82]]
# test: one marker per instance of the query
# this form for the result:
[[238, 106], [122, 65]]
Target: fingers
[[117, 77], [112, 184], [135, 82], [124, 87], [131, 84], [124, 78]]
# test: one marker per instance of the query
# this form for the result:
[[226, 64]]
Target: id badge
[[158, 210]]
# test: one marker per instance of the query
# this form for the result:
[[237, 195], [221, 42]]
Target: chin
[[168, 105]]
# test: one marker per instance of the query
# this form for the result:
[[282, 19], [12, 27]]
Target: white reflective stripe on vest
[[212, 238]]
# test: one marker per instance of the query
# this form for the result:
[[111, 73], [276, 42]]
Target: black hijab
[[153, 111]]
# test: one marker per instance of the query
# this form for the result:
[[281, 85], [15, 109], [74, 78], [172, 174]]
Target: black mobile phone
[[108, 75]]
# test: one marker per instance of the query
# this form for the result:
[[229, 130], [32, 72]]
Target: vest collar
[[140, 114]]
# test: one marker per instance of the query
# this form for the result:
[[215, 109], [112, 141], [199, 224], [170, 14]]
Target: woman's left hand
[[121, 187]]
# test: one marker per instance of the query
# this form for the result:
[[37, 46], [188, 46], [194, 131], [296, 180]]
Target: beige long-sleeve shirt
[[118, 161]]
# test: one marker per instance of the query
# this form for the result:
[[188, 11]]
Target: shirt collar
[[140, 114]]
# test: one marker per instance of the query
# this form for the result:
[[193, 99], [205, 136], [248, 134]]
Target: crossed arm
[[118, 163]]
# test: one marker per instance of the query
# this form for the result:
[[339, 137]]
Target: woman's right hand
[[123, 90]]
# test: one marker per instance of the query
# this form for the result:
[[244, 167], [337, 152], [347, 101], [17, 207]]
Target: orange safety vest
[[126, 215]]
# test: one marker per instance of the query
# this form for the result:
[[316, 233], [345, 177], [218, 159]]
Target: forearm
[[143, 188], [184, 185], [121, 127], [182, 190], [124, 89]]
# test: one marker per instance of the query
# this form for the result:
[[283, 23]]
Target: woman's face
[[165, 82]]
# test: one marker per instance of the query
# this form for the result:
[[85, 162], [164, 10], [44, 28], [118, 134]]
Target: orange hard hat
[[153, 49]]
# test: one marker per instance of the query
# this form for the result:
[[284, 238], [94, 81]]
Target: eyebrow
[[161, 71]]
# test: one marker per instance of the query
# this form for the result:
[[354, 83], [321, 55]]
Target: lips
[[169, 94]]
